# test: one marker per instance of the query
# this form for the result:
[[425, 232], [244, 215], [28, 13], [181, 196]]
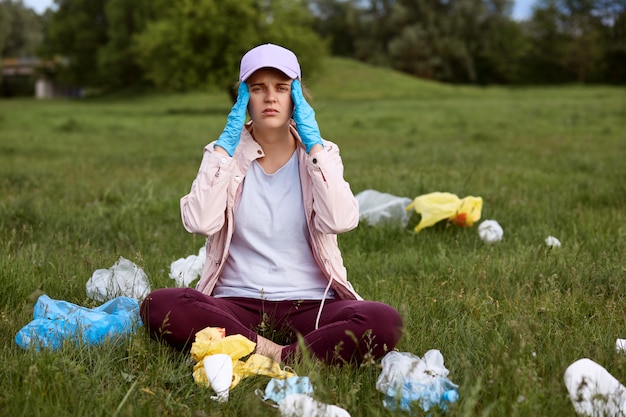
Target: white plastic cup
[[594, 391], [219, 371]]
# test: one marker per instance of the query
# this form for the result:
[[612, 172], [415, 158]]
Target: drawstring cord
[[319, 312]]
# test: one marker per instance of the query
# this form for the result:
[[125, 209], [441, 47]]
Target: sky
[[521, 10]]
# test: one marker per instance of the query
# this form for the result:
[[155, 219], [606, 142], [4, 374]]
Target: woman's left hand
[[304, 116]]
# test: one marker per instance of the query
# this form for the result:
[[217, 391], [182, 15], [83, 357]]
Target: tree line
[[477, 41], [185, 44]]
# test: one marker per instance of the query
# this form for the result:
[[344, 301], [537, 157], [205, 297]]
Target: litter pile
[[378, 208], [407, 381], [220, 366]]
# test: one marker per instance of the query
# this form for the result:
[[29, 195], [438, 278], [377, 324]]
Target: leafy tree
[[376, 30], [548, 46], [567, 41], [115, 59], [501, 48], [612, 13], [196, 43], [460, 41], [76, 31], [339, 22], [584, 28], [5, 25], [200, 42], [20, 30]]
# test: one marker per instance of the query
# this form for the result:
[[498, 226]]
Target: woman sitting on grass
[[271, 198]]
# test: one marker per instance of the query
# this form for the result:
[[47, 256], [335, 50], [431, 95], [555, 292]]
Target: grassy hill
[[343, 78]]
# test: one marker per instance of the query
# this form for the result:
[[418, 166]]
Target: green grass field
[[85, 182]]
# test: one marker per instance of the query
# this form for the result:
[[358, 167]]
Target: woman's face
[[270, 102]]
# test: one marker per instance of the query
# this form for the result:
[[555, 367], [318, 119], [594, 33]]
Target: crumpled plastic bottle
[[593, 391], [408, 380], [439, 393]]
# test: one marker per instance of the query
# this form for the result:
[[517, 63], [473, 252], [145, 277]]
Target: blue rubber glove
[[229, 139], [304, 116]]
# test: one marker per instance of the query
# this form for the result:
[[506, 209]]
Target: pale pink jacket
[[330, 207]]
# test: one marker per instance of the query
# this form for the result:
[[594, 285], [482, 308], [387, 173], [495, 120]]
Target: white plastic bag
[[594, 391], [382, 208], [122, 279], [185, 270]]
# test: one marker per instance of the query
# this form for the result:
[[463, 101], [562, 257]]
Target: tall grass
[[85, 182]]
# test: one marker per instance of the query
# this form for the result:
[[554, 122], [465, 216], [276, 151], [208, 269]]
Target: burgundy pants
[[349, 330]]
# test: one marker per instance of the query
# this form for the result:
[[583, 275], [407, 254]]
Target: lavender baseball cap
[[272, 56]]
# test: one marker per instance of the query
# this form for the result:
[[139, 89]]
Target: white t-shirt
[[270, 254]]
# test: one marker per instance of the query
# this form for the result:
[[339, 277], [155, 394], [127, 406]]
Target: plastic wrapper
[[122, 279], [381, 208], [186, 270], [300, 405], [438, 206], [278, 389]]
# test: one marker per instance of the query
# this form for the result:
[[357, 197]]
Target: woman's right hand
[[229, 139]]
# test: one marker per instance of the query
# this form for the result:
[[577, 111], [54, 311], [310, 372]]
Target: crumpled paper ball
[[553, 242], [490, 231]]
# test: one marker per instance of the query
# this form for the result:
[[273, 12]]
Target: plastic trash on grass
[[219, 372], [185, 270], [382, 208], [490, 231], [553, 242], [122, 279], [438, 206], [594, 392], [278, 389], [55, 321], [300, 405], [211, 341], [408, 380], [294, 398]]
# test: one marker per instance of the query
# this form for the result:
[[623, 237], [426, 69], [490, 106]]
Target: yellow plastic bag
[[438, 206], [211, 341]]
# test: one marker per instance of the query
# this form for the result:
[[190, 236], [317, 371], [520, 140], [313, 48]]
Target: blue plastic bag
[[56, 321]]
